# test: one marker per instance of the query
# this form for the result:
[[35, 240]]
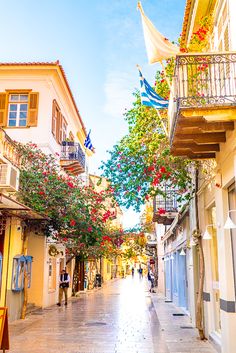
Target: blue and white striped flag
[[88, 142], [149, 97]]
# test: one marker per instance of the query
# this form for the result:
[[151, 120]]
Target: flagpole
[[162, 122]]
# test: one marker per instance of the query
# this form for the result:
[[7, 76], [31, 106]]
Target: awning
[[17, 209]]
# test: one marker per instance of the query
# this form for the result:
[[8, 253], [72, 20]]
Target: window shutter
[[54, 104], [226, 39], [3, 109], [60, 122], [32, 119]]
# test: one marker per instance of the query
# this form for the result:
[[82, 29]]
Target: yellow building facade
[[37, 105], [202, 127]]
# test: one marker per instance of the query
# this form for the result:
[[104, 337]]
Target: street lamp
[[207, 235], [192, 243], [229, 224]]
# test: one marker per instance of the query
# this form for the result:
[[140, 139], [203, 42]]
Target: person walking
[[151, 278], [140, 272], [132, 272], [64, 282]]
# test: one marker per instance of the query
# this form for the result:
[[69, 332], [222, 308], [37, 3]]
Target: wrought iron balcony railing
[[167, 202], [72, 154], [202, 103], [206, 80]]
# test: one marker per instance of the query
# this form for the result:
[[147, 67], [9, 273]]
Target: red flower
[[71, 185], [139, 188], [90, 229], [41, 193], [162, 170], [65, 239], [161, 211], [72, 222]]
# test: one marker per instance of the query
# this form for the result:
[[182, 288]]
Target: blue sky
[[99, 43]]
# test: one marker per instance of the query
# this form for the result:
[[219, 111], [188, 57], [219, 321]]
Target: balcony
[[202, 104], [165, 208], [72, 158], [8, 151]]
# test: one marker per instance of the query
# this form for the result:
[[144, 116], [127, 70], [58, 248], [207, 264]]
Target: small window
[[18, 109], [20, 263]]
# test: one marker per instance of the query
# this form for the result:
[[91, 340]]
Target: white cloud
[[118, 93]]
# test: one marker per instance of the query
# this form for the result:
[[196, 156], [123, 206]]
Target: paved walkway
[[119, 318]]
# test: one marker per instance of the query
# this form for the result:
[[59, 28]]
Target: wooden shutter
[[60, 122], [226, 38], [32, 119], [3, 109], [54, 105]]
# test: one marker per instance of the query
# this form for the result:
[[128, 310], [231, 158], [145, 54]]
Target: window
[[222, 40], [59, 124], [17, 110], [20, 264]]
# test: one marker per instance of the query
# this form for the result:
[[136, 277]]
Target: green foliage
[[77, 214], [141, 165]]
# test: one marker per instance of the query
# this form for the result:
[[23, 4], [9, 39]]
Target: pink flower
[[90, 229]]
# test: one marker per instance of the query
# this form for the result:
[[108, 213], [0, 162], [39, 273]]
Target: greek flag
[[149, 97], [88, 142]]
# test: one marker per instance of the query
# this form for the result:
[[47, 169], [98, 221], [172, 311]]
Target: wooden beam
[[197, 148], [191, 155], [205, 126], [206, 137]]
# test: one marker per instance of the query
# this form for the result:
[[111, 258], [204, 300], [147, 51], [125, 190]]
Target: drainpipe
[[199, 304], [8, 261]]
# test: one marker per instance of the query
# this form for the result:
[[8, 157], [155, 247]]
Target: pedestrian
[[132, 272], [140, 272], [151, 278], [64, 282]]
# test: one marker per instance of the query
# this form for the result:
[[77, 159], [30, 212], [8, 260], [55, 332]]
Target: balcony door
[[232, 206]]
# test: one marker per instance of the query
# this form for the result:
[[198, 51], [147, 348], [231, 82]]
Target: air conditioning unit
[[9, 177]]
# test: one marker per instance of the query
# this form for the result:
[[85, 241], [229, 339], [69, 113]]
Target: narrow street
[[122, 317]]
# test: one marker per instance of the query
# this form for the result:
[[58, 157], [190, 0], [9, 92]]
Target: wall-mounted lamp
[[182, 252], [192, 243], [229, 224], [172, 257], [207, 235]]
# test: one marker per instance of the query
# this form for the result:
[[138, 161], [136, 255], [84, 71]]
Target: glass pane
[[14, 274], [24, 97], [21, 274], [12, 115], [23, 115], [12, 123], [22, 122], [14, 97], [23, 107], [13, 107]]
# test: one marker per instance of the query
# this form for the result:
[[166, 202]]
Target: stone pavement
[[121, 317]]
